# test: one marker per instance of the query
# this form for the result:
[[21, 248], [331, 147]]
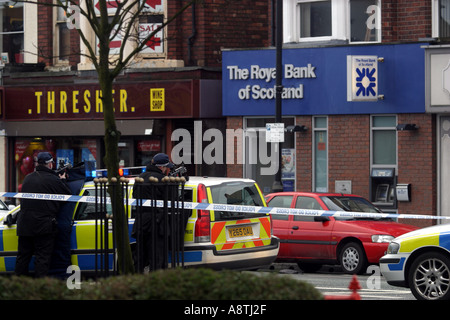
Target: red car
[[354, 243]]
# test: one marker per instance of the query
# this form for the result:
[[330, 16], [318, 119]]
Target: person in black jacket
[[36, 222], [158, 168]]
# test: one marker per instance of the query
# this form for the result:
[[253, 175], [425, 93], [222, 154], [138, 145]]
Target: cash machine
[[383, 182]]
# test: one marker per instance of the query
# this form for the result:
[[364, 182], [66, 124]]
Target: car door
[[281, 223], [85, 251], [310, 239]]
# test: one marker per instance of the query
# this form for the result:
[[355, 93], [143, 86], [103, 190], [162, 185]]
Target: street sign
[[274, 132]]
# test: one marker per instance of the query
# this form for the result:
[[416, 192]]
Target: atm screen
[[382, 193]]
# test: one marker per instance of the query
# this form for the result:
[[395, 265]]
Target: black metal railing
[[159, 227]]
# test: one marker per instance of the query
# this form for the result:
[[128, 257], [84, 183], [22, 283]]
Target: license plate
[[241, 231]]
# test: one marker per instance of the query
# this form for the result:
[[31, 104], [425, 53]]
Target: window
[[281, 201], [147, 24], [384, 140], [87, 210], [62, 35], [235, 193], [364, 20], [320, 156], [323, 20], [315, 19], [307, 203], [441, 18], [151, 17], [11, 32]]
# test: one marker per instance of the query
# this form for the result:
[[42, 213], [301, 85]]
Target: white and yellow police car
[[213, 238], [420, 260]]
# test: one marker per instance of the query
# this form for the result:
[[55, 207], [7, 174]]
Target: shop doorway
[[260, 159]]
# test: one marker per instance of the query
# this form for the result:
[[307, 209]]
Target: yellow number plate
[[241, 231]]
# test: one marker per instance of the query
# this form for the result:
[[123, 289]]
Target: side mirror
[[9, 221], [321, 219]]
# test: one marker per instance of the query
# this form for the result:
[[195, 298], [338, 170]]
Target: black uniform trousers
[[42, 247]]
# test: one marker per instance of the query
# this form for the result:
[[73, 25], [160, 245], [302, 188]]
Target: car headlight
[[382, 238], [393, 248]]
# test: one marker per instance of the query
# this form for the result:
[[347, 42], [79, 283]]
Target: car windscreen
[[3, 206], [239, 194], [353, 204]]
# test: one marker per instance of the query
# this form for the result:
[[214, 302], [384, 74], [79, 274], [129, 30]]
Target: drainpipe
[[191, 38]]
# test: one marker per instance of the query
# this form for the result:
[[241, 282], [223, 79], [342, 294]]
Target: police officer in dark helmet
[[159, 168], [36, 222]]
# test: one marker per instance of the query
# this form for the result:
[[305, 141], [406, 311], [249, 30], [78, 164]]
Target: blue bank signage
[[256, 72], [362, 78], [325, 80]]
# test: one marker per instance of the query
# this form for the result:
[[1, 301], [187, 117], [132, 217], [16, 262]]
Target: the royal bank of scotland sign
[[362, 78]]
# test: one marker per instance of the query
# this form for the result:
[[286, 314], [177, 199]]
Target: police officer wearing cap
[[36, 222], [159, 168]]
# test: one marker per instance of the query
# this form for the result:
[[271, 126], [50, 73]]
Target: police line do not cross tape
[[223, 207]]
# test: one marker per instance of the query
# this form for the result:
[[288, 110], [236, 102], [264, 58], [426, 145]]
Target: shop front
[[354, 120], [437, 84], [66, 119]]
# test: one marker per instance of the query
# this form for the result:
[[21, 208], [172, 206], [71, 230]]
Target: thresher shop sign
[[140, 100]]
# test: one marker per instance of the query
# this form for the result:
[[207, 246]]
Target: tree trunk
[[112, 137]]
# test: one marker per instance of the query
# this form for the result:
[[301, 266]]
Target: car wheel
[[429, 277], [309, 267], [352, 258]]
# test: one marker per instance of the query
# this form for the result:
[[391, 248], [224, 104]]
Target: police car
[[215, 239], [4, 209], [420, 260]]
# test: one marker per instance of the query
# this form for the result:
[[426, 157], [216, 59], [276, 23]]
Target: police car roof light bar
[[123, 172]]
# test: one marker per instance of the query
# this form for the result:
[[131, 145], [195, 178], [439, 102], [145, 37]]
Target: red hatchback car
[[354, 243]]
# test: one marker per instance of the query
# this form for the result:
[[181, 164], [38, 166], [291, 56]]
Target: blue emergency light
[[123, 172]]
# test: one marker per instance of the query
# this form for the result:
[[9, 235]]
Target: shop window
[[11, 33], [384, 140], [145, 150], [260, 158], [67, 150], [320, 157]]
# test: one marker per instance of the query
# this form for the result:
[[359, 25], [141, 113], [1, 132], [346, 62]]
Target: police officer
[[159, 168], [36, 222]]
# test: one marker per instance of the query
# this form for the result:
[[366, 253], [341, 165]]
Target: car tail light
[[202, 225]]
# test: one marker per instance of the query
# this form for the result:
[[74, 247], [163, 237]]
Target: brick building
[[351, 143], [50, 91], [347, 145]]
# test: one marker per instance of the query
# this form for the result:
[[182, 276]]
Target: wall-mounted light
[[407, 126], [296, 128]]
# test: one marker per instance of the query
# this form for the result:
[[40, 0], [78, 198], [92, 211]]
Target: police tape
[[221, 207]]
